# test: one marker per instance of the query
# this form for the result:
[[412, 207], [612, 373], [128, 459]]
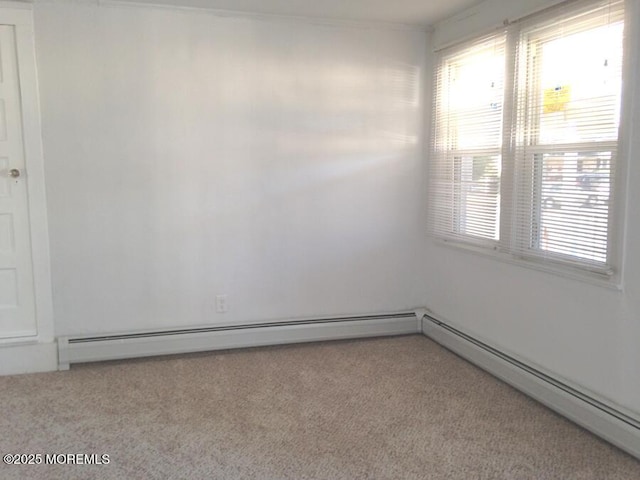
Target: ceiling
[[412, 12]]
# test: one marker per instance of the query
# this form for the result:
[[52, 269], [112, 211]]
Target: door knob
[[14, 173]]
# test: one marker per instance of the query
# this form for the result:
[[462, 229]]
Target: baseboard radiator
[[605, 420], [95, 348]]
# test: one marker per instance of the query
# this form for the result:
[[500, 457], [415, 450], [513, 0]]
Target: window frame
[[502, 249], [453, 153]]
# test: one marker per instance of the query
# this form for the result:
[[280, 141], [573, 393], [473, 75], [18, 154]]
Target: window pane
[[574, 203], [568, 109], [579, 86], [478, 202], [473, 103], [465, 163]]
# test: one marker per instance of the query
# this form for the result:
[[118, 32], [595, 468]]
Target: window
[[525, 139]]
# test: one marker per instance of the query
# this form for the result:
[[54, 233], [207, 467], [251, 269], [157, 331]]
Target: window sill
[[613, 283]]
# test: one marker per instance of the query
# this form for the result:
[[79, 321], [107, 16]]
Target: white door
[[17, 303]]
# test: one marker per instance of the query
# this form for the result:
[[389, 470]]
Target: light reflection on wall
[[311, 101], [188, 155]]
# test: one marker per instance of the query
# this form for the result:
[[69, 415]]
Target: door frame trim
[[20, 16]]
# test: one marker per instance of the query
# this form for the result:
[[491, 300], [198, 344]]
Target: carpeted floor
[[392, 408]]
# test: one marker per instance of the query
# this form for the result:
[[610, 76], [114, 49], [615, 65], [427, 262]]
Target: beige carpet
[[393, 408]]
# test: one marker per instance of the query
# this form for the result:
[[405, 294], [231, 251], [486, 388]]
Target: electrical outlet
[[222, 304]]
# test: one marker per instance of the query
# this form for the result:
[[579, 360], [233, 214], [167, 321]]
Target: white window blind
[[466, 158], [525, 137]]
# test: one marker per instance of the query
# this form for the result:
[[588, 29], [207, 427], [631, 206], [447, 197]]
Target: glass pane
[[478, 196], [580, 77], [473, 101], [574, 203]]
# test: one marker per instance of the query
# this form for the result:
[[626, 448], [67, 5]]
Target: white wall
[[586, 334], [188, 155]]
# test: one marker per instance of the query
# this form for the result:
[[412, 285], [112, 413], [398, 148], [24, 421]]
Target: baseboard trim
[[28, 358], [95, 348], [606, 421]]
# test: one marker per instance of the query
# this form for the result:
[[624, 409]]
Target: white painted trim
[[21, 17], [36, 357], [614, 282], [111, 347], [597, 420]]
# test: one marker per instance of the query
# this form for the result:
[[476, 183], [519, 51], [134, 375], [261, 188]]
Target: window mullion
[[507, 174]]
